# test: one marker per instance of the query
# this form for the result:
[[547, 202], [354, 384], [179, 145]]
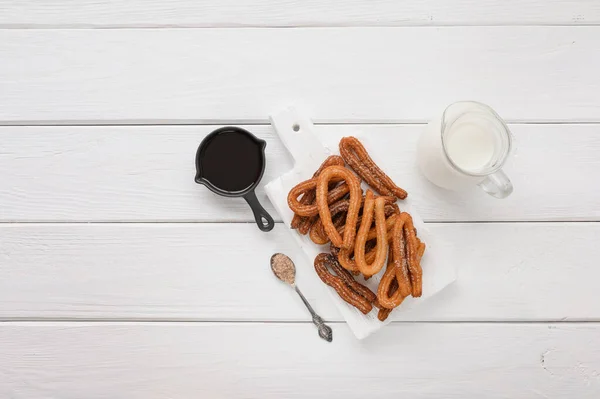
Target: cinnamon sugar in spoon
[[285, 270]]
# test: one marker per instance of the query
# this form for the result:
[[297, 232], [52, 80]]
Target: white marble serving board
[[297, 133]]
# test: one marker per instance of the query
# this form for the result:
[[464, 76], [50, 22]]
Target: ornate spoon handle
[[325, 331]]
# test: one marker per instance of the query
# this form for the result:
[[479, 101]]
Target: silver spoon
[[285, 270]]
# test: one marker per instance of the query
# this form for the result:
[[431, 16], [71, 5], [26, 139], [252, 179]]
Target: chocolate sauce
[[232, 161]]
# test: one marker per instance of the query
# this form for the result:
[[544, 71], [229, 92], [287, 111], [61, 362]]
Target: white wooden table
[[121, 278]]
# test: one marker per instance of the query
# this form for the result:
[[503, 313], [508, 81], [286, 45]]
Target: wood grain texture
[[182, 360], [209, 13], [336, 74], [173, 310], [139, 173], [513, 271]]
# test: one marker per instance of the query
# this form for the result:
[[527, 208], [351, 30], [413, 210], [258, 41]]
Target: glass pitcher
[[466, 146]]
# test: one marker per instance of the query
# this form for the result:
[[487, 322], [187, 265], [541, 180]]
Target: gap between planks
[[419, 24], [134, 321], [219, 222], [262, 123]]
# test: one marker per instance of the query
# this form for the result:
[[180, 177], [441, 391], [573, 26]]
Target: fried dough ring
[[352, 283], [345, 256], [357, 157], [389, 210], [389, 297], [421, 250], [392, 289], [389, 225], [397, 270], [347, 263], [399, 256], [322, 263], [306, 186], [385, 312], [306, 224], [353, 184], [317, 231], [372, 206], [338, 209], [303, 223], [414, 261]]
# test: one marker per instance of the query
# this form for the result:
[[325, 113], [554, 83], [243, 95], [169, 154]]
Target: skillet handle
[[263, 219]]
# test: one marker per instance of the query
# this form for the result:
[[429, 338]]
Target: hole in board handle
[[296, 127]]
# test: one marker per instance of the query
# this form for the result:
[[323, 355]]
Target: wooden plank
[[208, 13], [338, 74], [139, 173], [512, 271], [58, 360]]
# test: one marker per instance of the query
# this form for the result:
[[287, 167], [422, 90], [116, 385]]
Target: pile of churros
[[366, 231]]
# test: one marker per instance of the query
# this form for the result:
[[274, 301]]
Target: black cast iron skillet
[[230, 162]]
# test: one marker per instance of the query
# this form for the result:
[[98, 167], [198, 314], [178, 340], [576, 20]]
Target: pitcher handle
[[497, 185]]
